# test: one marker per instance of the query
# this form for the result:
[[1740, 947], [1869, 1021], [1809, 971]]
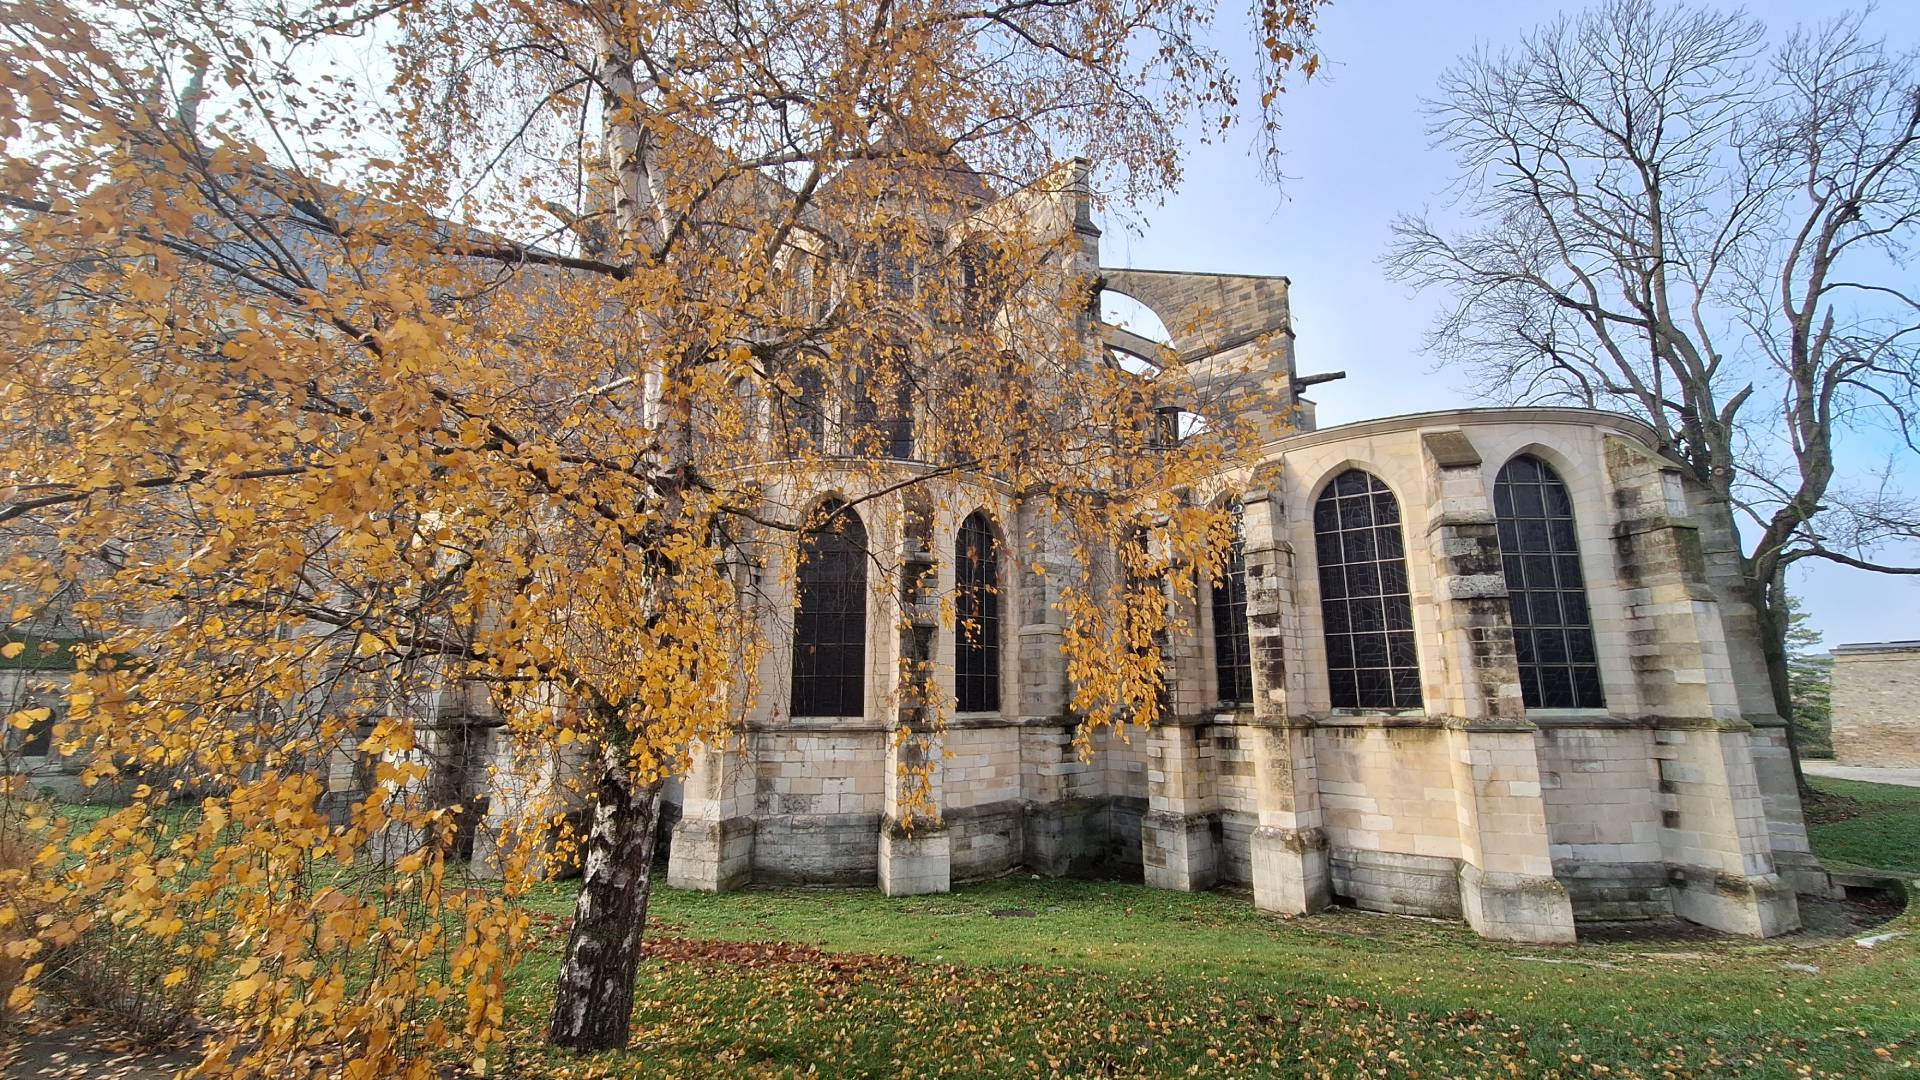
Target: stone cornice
[[1464, 418]]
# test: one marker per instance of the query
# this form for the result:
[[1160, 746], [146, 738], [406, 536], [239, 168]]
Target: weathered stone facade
[[1876, 704], [1676, 798], [1670, 800]]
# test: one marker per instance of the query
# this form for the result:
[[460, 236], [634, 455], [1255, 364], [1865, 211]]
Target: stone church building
[[1479, 663]]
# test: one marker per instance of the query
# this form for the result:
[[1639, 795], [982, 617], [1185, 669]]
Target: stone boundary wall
[[1876, 704]]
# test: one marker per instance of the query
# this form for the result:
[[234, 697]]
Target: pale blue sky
[[1357, 153]]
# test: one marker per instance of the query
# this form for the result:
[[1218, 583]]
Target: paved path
[[1899, 777], [86, 1052]]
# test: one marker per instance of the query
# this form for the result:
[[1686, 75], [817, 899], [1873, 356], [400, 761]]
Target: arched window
[[886, 431], [803, 414], [1139, 580], [830, 616], [883, 401], [1371, 659], [746, 398], [1552, 628], [1232, 654], [976, 659]]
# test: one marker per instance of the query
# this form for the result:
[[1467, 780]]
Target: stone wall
[[1387, 789], [1675, 798], [1876, 704], [982, 808], [1602, 823], [817, 805]]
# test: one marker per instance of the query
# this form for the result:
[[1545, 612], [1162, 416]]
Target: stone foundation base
[[1759, 906], [916, 863], [1290, 873], [1066, 838], [1515, 907], [1390, 881], [1615, 892], [1180, 851], [1804, 875], [986, 840], [816, 849], [711, 856]]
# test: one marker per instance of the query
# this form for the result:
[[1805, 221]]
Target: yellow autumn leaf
[[241, 991]]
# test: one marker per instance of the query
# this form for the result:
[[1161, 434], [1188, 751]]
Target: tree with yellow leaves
[[363, 356]]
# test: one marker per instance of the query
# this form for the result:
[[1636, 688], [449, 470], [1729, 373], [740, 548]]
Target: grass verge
[[1024, 977], [1882, 833]]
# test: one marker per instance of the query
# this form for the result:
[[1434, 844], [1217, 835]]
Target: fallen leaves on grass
[[1825, 807], [724, 1008], [763, 954]]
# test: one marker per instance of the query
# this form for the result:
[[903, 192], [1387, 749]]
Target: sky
[[1357, 154]]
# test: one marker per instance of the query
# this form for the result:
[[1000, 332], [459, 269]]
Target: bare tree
[[1663, 213]]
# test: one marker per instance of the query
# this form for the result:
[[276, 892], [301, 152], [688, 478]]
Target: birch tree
[[359, 352]]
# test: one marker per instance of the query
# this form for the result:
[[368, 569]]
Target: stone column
[[1773, 767], [916, 854], [1714, 833], [1044, 563], [1288, 847], [1183, 653], [1507, 887], [529, 789], [1063, 816], [1181, 830], [713, 843], [1058, 819], [1180, 834], [1793, 857]]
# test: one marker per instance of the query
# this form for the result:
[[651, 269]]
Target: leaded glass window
[[976, 568], [1364, 599], [830, 616], [887, 431], [802, 415], [882, 421], [1136, 558], [1232, 654], [1540, 550]]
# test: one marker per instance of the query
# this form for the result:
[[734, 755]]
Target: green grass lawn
[[1025, 977], [1886, 835]]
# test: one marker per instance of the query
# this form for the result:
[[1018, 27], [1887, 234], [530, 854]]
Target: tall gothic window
[[1135, 557], [802, 416], [830, 616], [887, 429], [1364, 601], [1552, 628], [1232, 654], [882, 420], [746, 398], [976, 664]]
